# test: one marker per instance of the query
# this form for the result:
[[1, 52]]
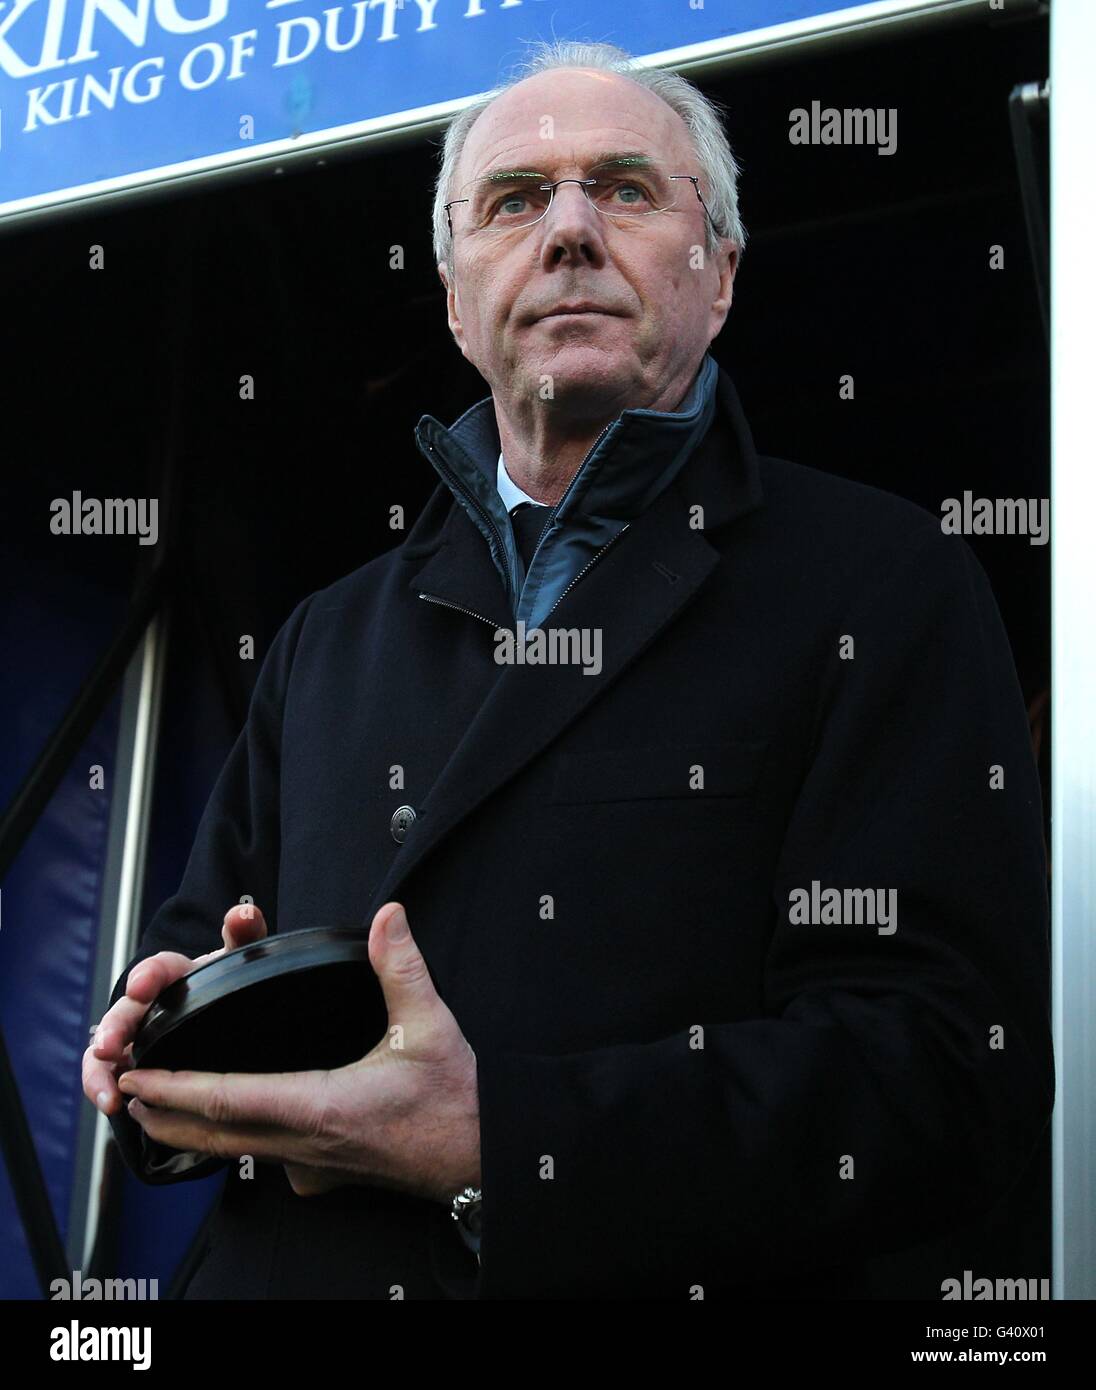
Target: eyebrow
[[614, 159]]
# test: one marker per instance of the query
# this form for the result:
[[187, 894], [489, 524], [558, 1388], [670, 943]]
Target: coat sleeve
[[895, 1084], [236, 851]]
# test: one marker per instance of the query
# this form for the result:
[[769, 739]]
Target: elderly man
[[719, 960]]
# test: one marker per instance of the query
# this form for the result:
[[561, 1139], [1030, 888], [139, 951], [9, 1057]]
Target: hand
[[110, 1053], [405, 1116]]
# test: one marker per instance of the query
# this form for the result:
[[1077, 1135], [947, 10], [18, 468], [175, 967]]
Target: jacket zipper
[[563, 499], [589, 563], [455, 481], [433, 598], [574, 480]]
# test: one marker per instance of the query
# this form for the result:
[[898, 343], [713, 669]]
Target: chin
[[586, 371]]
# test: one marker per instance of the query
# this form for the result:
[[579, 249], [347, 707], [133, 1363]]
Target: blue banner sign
[[98, 96]]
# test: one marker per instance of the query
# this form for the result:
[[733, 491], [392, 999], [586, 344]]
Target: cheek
[[670, 287], [483, 301], [694, 291]]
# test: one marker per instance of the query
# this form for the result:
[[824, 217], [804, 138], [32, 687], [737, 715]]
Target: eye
[[626, 194], [512, 205]]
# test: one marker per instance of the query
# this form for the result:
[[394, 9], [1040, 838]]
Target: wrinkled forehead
[[559, 122]]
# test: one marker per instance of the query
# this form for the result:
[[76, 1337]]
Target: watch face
[[466, 1211]]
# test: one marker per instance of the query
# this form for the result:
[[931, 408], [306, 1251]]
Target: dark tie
[[528, 520]]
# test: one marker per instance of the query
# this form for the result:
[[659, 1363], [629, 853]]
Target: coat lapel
[[643, 582]]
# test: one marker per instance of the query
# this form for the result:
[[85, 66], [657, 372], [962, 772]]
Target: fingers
[[97, 1078], [146, 980], [100, 1080], [153, 974], [110, 1052], [243, 924], [307, 1181], [401, 968], [118, 1027]]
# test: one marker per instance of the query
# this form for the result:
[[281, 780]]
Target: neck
[[542, 451]]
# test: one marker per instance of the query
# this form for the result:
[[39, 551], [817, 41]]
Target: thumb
[[243, 924], [399, 965]]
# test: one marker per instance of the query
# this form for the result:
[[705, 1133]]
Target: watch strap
[[466, 1212]]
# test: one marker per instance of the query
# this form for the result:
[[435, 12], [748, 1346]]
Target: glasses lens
[[515, 201], [500, 203], [633, 191]]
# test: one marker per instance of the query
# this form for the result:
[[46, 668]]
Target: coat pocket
[[665, 771]]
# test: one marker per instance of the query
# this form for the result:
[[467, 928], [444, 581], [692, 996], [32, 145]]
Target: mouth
[[568, 311]]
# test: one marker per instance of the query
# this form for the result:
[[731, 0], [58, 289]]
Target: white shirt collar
[[509, 491]]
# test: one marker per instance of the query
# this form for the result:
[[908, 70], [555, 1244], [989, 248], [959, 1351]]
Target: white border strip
[[1073, 729], [152, 656], [735, 45]]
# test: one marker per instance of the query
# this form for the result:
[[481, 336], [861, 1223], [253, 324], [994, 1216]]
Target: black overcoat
[[681, 1088]]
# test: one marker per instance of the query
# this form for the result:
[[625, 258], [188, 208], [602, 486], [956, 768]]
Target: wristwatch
[[466, 1212]]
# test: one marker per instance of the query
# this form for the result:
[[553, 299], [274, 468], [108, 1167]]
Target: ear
[[727, 265], [452, 307]]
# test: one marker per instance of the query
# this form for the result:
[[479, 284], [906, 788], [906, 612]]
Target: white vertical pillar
[[137, 742], [1073, 623]]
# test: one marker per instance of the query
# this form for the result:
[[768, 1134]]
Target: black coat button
[[402, 820]]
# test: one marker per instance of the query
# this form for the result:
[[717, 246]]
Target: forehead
[[558, 119]]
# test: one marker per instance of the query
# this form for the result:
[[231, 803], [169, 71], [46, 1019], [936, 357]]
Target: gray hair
[[703, 117]]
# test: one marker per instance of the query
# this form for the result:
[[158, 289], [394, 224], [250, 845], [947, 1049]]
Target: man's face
[[661, 297]]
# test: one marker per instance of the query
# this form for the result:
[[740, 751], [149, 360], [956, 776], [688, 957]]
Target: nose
[[572, 226]]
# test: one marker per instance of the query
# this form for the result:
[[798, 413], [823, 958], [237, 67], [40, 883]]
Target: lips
[[582, 308]]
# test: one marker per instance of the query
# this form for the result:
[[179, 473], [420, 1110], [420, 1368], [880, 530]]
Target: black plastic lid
[[294, 1002]]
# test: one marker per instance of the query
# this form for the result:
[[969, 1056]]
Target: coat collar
[[642, 585], [632, 461], [721, 477]]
